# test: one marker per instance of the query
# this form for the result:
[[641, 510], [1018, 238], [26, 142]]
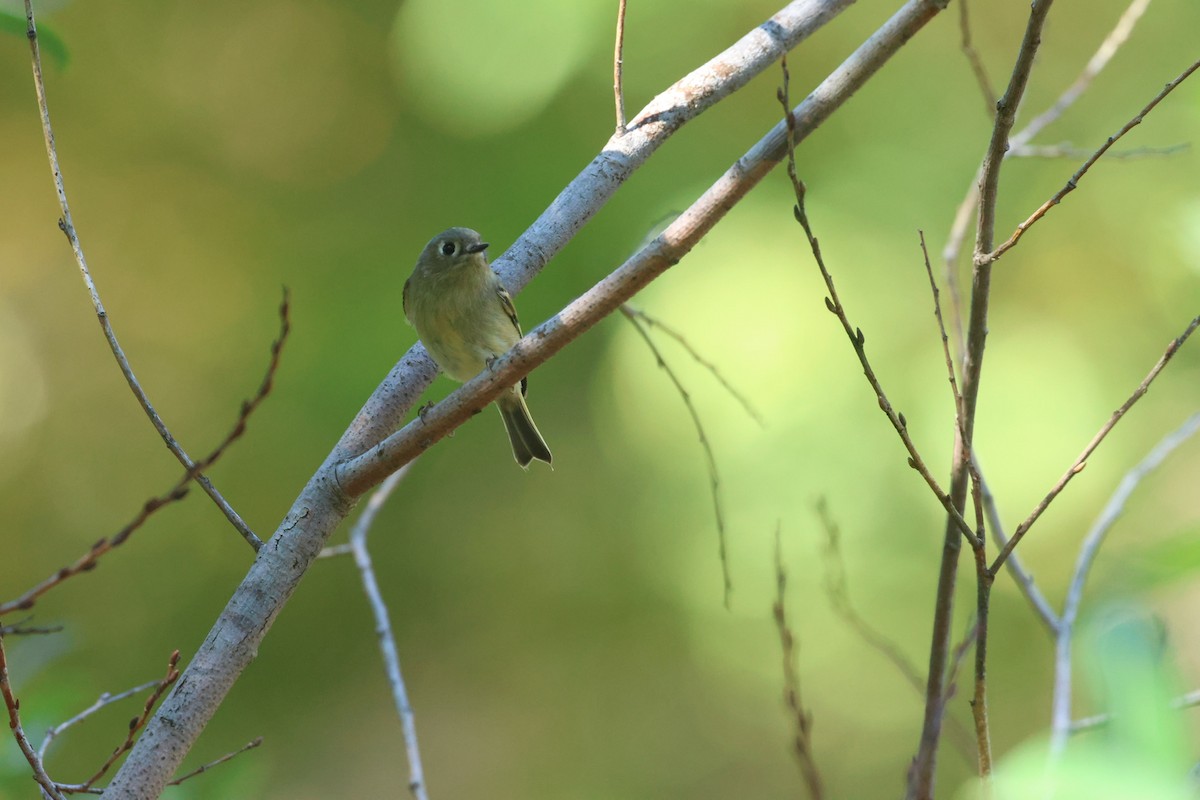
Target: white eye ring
[[448, 248]]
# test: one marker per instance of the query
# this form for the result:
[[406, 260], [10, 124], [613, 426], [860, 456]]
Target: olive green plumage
[[466, 318]]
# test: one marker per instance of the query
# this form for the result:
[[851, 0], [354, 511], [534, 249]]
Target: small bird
[[466, 319]]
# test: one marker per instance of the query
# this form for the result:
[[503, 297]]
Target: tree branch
[[1060, 724], [921, 776], [67, 226]]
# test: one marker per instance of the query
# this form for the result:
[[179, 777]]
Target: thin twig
[[383, 628], [21, 629], [105, 699], [176, 493], [1068, 151], [67, 226], [965, 213], [968, 48], [951, 372], [957, 659], [857, 339], [921, 775], [1108, 48], [1081, 461], [88, 560], [714, 478], [802, 719], [1073, 181], [837, 589], [217, 762], [1060, 724], [1189, 700], [658, 324], [139, 721], [14, 722], [618, 67], [1016, 569]]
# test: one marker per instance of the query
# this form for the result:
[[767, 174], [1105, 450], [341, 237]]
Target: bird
[[466, 319]]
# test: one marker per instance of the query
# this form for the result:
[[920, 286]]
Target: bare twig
[[968, 48], [22, 629], [1025, 583], [14, 723], [1061, 725], [105, 699], [1080, 462], [88, 560], [1108, 48], [217, 762], [68, 228], [618, 67], [714, 479], [921, 775], [1189, 700], [139, 721], [937, 312], [383, 628], [654, 322], [1073, 181], [1068, 151], [962, 218], [802, 718], [857, 339], [838, 590]]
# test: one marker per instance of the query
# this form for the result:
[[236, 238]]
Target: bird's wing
[[507, 304], [404, 300], [509, 309]]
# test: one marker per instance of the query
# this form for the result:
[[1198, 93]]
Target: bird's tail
[[527, 442]]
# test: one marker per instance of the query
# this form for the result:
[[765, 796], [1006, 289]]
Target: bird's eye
[[449, 248]]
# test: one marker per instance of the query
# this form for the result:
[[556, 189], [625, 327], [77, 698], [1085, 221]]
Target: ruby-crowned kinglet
[[466, 319]]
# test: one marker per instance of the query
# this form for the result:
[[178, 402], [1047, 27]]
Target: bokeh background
[[563, 632]]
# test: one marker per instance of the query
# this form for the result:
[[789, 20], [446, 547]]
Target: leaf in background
[[49, 41]]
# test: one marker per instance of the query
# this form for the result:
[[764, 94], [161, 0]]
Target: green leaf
[[48, 40]]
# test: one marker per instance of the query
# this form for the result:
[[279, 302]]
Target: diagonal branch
[[714, 479], [1060, 723], [68, 228], [1081, 462], [1073, 181]]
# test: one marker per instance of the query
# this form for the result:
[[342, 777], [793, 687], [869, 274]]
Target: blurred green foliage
[[562, 633]]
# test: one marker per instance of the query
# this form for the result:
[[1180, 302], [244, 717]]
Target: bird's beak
[[478, 248]]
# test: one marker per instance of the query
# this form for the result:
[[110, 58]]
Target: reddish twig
[[968, 48], [1081, 462], [714, 478], [137, 722], [838, 591], [14, 723], [89, 559], [802, 718], [217, 762], [1073, 182], [857, 339]]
